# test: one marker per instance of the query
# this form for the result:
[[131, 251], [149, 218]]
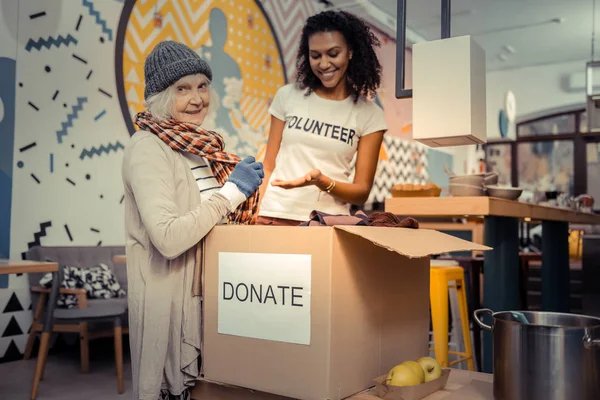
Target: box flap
[[412, 243]]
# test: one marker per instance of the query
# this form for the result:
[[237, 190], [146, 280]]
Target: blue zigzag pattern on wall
[[101, 150], [70, 118], [47, 43], [99, 20]]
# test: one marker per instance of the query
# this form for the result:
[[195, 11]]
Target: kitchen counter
[[501, 233], [483, 206]]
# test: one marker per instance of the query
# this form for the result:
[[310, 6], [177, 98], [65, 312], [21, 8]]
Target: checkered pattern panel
[[402, 161]]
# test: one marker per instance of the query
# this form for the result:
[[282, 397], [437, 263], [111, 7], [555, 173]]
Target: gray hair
[[160, 105]]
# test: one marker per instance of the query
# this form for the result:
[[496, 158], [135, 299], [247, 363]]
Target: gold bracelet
[[330, 187], [327, 188]]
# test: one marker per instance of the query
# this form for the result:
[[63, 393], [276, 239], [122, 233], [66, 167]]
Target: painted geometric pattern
[[66, 106], [288, 18], [400, 161], [235, 38], [15, 320]]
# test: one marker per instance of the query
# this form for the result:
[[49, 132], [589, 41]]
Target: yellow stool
[[575, 244], [438, 292]]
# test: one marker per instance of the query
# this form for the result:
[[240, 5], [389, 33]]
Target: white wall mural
[[70, 128], [69, 139]]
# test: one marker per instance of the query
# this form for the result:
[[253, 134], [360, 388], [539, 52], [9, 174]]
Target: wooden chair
[[114, 313], [79, 256]]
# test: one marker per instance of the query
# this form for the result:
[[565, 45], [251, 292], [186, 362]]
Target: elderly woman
[[179, 183]]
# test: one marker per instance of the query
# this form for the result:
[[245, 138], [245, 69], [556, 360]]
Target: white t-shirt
[[318, 133]]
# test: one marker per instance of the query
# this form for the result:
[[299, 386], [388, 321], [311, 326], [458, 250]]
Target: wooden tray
[[429, 190]]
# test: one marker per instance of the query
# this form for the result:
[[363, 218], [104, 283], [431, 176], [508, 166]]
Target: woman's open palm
[[309, 179]]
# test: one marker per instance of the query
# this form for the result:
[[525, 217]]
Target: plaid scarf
[[191, 138]]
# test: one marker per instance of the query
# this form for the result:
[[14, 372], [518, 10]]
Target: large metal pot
[[544, 356]]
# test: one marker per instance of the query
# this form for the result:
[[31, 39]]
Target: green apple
[[431, 368], [416, 367], [401, 375]]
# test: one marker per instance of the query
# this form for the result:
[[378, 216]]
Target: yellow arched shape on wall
[[250, 43]]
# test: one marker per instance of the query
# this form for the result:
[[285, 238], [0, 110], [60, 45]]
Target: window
[[556, 152], [583, 122], [555, 125], [593, 172], [546, 166]]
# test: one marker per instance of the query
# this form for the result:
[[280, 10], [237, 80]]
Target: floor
[[63, 378]]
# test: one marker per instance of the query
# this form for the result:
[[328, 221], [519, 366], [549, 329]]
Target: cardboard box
[[338, 306], [449, 92]]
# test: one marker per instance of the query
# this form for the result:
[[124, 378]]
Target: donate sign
[[265, 296]]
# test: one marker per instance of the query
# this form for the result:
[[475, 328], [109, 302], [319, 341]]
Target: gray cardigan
[[164, 222]]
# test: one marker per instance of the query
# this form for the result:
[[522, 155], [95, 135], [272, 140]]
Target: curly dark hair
[[364, 69]]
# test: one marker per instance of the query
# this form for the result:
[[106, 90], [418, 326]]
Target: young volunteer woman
[[322, 121]]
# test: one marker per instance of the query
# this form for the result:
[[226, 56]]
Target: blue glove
[[247, 175]]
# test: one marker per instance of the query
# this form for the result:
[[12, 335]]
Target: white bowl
[[473, 180], [463, 190], [501, 192]]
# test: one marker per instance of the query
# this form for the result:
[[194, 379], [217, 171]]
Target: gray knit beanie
[[168, 62]]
